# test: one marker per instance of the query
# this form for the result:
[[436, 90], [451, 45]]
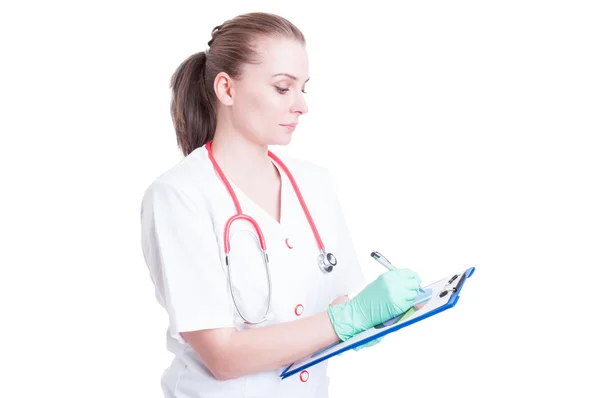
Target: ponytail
[[192, 108]]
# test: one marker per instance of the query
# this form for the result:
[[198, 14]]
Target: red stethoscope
[[325, 260]]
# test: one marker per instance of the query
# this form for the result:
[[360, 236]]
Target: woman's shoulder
[[188, 176]]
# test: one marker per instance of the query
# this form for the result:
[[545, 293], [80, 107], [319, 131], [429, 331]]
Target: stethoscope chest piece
[[327, 261]]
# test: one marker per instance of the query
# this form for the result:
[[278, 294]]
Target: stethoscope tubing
[[238, 207], [324, 256]]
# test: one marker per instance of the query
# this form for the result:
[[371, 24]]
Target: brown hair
[[194, 102]]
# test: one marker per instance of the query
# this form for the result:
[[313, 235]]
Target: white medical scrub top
[[183, 216]]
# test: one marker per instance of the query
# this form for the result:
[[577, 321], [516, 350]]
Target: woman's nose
[[300, 105]]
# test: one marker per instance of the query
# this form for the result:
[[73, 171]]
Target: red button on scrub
[[304, 376], [299, 309]]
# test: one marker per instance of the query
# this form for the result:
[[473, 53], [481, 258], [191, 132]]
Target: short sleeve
[[351, 277], [182, 254]]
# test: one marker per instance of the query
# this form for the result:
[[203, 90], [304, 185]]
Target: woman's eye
[[282, 90]]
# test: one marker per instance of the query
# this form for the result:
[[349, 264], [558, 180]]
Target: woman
[[230, 103]]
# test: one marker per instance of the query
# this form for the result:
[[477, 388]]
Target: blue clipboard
[[440, 296]]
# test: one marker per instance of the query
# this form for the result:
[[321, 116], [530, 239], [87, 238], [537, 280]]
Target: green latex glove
[[388, 296], [371, 343]]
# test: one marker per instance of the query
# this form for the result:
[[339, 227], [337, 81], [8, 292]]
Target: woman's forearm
[[271, 347]]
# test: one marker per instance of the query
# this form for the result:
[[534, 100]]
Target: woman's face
[[268, 100]]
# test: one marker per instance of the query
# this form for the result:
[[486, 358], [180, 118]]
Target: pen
[[386, 263], [382, 260]]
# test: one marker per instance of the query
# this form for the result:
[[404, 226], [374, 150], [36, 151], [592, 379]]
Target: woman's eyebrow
[[288, 75]]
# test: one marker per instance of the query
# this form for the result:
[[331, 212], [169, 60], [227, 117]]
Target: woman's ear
[[224, 88]]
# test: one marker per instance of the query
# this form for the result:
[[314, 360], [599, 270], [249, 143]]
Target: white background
[[461, 134]]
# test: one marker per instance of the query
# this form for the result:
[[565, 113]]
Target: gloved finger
[[405, 277], [412, 284], [415, 277], [369, 344], [410, 295], [418, 278], [406, 273], [403, 296]]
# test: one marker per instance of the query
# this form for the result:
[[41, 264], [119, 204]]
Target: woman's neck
[[241, 159]]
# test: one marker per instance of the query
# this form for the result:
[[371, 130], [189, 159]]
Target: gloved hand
[[371, 343], [388, 296]]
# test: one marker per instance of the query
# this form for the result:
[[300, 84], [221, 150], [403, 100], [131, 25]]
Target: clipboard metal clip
[[445, 291]]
